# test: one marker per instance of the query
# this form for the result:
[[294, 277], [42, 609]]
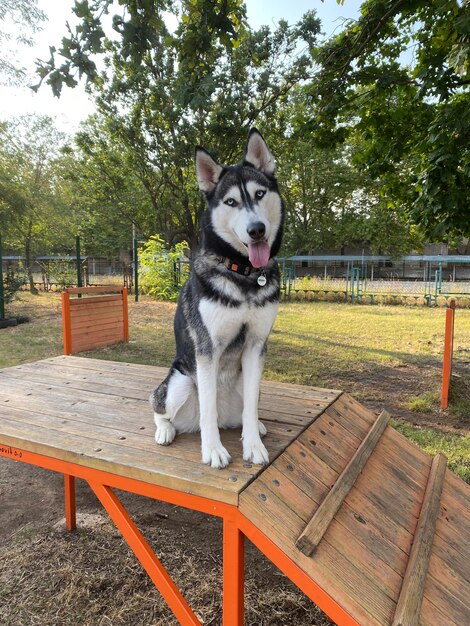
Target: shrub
[[162, 272], [62, 272]]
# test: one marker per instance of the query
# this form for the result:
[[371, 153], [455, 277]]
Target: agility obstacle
[[372, 529], [94, 321]]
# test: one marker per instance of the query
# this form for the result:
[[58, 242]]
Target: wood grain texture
[[96, 412], [94, 321], [317, 526], [412, 591]]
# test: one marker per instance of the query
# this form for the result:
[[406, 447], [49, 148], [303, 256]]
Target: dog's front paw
[[215, 456], [165, 433], [256, 453]]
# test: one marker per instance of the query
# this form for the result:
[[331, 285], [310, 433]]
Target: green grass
[[455, 447], [423, 403], [380, 354]]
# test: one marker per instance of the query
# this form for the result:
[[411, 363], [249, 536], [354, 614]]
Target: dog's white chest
[[224, 322]]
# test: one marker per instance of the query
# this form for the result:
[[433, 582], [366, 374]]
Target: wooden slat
[[82, 380], [98, 309], [336, 574], [83, 347], [87, 324], [107, 331], [316, 528], [96, 289], [409, 603], [77, 303]]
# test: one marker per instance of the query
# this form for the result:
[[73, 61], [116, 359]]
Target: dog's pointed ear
[[207, 170], [258, 154]]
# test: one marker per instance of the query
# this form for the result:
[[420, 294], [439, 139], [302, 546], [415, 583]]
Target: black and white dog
[[226, 309]]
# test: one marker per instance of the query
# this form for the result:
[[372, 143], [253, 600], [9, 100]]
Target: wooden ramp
[[368, 525], [362, 557]]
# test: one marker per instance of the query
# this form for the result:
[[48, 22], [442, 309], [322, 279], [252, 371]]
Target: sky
[[73, 106]]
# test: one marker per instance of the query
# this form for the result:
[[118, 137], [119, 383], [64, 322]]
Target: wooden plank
[[302, 391], [384, 539], [445, 574], [330, 569], [112, 425], [110, 322], [372, 496], [98, 311], [96, 307], [77, 303], [97, 386], [94, 345], [354, 410], [411, 595], [285, 390], [316, 528], [87, 325], [330, 437], [98, 333], [95, 289], [453, 521], [279, 410], [158, 468], [439, 593], [350, 537], [91, 320]]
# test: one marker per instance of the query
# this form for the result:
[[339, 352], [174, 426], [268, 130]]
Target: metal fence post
[[136, 271]]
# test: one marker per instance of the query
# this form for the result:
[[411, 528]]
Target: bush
[[62, 272], [162, 272]]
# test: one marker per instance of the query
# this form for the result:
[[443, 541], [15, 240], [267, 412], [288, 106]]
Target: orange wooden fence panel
[[95, 321]]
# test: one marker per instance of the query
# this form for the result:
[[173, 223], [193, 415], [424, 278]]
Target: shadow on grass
[[309, 341]]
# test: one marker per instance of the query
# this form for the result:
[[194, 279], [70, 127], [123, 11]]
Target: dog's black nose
[[256, 230]]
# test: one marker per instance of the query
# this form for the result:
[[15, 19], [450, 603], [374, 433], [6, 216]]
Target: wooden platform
[[95, 414]]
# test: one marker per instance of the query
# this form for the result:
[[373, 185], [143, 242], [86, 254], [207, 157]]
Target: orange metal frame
[[448, 350], [66, 320], [235, 528]]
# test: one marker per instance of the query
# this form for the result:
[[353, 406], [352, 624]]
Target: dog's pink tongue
[[258, 253]]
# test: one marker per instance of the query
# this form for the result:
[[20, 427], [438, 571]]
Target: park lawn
[[380, 354]]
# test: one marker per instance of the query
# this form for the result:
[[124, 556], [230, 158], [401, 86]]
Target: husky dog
[[226, 309]]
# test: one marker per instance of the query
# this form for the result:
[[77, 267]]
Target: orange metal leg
[[70, 510], [234, 575], [145, 554]]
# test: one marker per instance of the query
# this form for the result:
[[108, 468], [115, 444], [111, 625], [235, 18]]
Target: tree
[[412, 113], [28, 148], [163, 93], [330, 203], [25, 17]]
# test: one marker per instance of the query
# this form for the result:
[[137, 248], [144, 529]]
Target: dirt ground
[[49, 577]]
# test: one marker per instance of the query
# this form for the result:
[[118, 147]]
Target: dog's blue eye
[[231, 202], [259, 194]]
